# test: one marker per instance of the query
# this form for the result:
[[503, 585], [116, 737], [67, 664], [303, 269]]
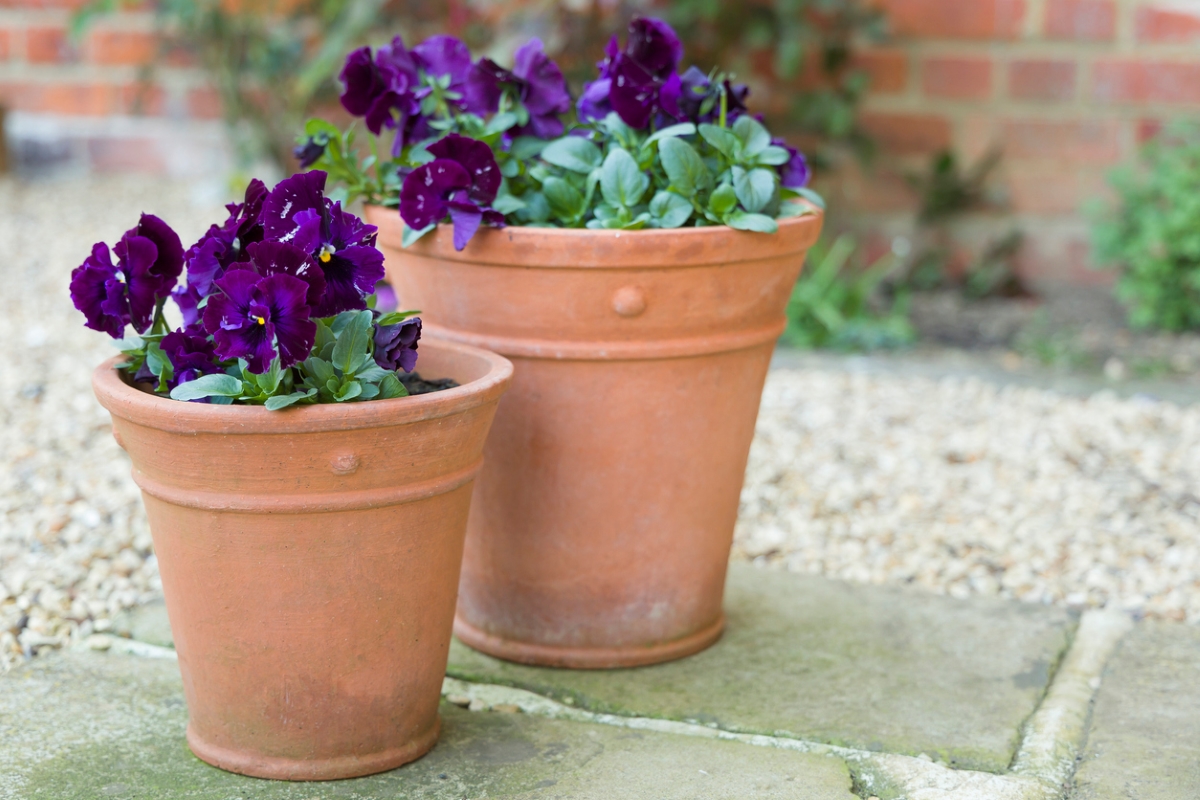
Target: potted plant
[[308, 514], [635, 266]]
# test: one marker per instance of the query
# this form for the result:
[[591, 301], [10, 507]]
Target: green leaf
[[285, 400], [269, 380], [159, 365], [755, 187], [208, 386], [320, 369], [669, 210], [391, 387], [526, 147], [508, 203], [372, 374], [773, 156], [759, 223], [573, 153], [353, 341], [723, 200], [369, 391], [316, 126], [348, 391], [411, 235], [753, 135], [621, 182], [500, 123], [688, 173], [811, 196], [723, 140], [566, 202], [682, 129], [393, 317]]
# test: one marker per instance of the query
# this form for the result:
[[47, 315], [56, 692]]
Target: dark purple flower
[[461, 182], [310, 151], [221, 246], [795, 173], [642, 79], [149, 261], [654, 46], [396, 345], [278, 258], [445, 55], [297, 213], [384, 89], [191, 353], [535, 80], [593, 102], [385, 298], [259, 318], [700, 98]]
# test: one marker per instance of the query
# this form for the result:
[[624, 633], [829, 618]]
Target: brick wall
[[1067, 89], [95, 104]]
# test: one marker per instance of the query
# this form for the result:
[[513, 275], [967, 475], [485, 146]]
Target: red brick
[[84, 99], [1038, 188], [1147, 82], [135, 48], [956, 19], [1169, 24], [126, 155], [908, 134], [5, 44], [204, 103], [1083, 20], [1042, 80], [957, 78], [47, 45], [1147, 129], [1084, 142], [888, 70]]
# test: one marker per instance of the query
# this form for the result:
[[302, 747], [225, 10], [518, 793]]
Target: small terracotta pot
[[310, 559], [603, 517]]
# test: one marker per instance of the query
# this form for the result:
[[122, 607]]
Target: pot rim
[[708, 242], [142, 408]]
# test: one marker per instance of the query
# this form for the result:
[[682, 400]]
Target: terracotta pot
[[603, 517], [309, 559]]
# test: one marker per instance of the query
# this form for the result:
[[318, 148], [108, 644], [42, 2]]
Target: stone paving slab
[[873, 668], [1144, 742], [88, 725]]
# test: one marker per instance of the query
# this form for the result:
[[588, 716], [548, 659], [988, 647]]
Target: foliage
[[839, 307], [1154, 233]]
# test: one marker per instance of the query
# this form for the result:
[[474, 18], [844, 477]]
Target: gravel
[[955, 485], [965, 487]]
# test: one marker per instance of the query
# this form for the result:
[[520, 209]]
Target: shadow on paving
[[85, 725], [872, 668]]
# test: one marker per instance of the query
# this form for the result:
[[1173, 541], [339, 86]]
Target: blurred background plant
[[1152, 234], [275, 62], [837, 302]]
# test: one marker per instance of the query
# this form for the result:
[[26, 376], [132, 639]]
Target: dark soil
[[418, 385]]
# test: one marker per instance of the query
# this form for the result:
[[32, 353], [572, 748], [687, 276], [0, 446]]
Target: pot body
[[310, 559], [602, 520]]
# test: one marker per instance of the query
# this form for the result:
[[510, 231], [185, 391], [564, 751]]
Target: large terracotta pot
[[310, 559], [603, 517]]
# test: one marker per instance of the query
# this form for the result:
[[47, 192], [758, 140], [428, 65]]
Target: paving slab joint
[[1042, 769]]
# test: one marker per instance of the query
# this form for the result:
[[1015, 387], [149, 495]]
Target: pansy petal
[[467, 219], [136, 256], [350, 276], [91, 294], [547, 89], [654, 46], [294, 331], [289, 197], [444, 55], [278, 258], [477, 159], [308, 230], [169, 263], [359, 81]]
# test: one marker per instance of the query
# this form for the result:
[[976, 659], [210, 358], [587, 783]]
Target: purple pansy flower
[[593, 102], [297, 213], [149, 261], [260, 318], [538, 83], [396, 345], [461, 181], [279, 258], [795, 173], [642, 79], [697, 92], [310, 151], [191, 354], [384, 89], [445, 55], [385, 298]]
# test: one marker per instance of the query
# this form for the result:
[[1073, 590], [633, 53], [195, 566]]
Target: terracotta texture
[[310, 559], [603, 517]]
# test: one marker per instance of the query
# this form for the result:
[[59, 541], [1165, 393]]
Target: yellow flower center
[[326, 254], [261, 320]]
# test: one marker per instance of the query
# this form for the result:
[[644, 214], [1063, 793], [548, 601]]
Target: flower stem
[[724, 104]]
